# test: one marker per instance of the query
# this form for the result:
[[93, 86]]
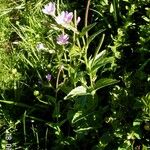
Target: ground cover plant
[[75, 75]]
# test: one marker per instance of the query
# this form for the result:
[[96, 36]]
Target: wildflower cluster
[[64, 19]]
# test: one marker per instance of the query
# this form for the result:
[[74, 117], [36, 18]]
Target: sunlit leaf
[[104, 82], [136, 123], [76, 116], [84, 129], [78, 91], [75, 51], [97, 58], [101, 62], [111, 8]]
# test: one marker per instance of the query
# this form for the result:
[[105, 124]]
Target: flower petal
[[62, 39], [49, 9]]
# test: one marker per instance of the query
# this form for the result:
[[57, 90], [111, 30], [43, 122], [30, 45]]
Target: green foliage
[[90, 93]]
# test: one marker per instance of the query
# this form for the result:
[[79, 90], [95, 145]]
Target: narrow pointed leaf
[[104, 83], [101, 63], [76, 117], [92, 37], [86, 29]]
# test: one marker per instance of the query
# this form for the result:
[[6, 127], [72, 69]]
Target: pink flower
[[48, 77], [64, 18], [49, 9], [63, 39]]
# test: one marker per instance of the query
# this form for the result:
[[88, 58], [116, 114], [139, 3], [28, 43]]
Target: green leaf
[[137, 135], [78, 91], [101, 62], [15, 103], [92, 37], [83, 129], [136, 123], [145, 147], [111, 8], [76, 117], [75, 51], [101, 54], [97, 58], [104, 82], [122, 148], [99, 46], [56, 112], [86, 29], [115, 10]]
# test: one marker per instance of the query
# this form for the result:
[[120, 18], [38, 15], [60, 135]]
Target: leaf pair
[[81, 90]]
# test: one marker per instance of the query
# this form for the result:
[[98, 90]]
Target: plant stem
[[24, 126], [57, 81], [91, 80], [86, 15], [58, 2]]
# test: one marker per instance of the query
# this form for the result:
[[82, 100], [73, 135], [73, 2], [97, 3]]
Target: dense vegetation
[[75, 75]]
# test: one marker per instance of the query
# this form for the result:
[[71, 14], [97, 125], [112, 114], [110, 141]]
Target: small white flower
[[78, 20], [40, 46]]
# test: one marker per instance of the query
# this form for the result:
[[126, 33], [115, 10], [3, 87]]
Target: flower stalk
[[86, 15]]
